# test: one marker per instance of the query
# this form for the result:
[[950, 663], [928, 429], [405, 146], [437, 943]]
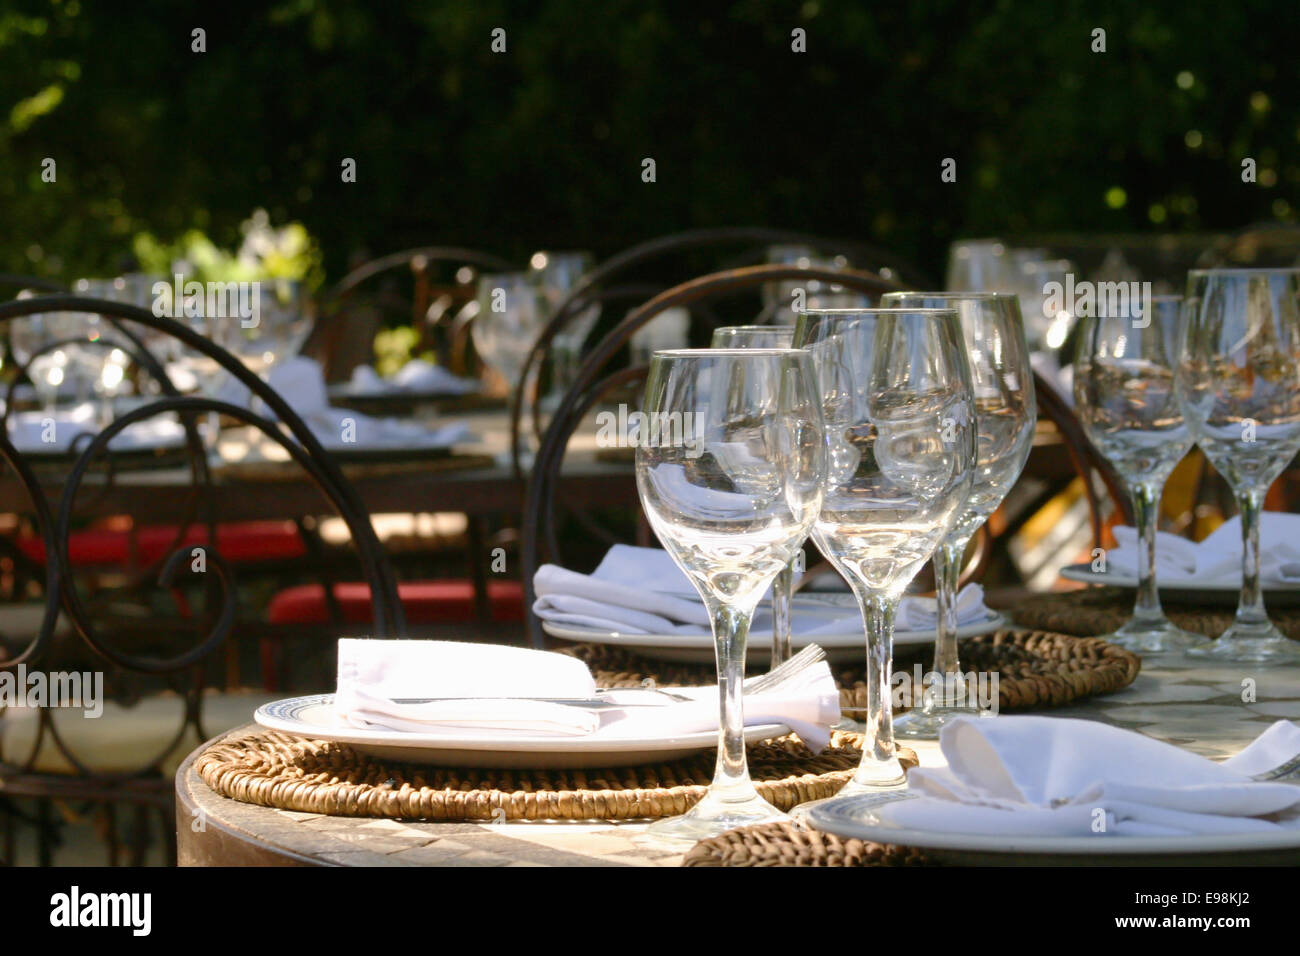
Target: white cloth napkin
[[29, 430], [922, 613], [302, 384], [416, 375], [642, 591], [1054, 776], [374, 675], [1216, 561]]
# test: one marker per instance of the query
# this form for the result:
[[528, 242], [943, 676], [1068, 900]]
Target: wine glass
[[768, 337], [730, 471], [1045, 329], [280, 329], [1125, 397], [1238, 382], [508, 320], [977, 265], [993, 336], [899, 407], [556, 274], [779, 296]]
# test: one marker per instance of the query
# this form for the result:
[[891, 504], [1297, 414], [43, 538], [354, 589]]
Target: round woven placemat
[[1101, 610], [789, 844], [1035, 669], [279, 770]]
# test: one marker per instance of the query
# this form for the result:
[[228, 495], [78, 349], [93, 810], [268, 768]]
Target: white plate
[[854, 817], [698, 648], [1225, 593], [314, 717]]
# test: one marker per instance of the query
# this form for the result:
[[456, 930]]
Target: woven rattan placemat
[[789, 844], [279, 770], [1035, 668], [1101, 610]]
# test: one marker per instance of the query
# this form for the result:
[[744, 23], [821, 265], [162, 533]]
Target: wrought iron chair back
[[161, 661]]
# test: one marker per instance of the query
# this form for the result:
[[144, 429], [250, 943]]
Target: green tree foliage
[[541, 146]]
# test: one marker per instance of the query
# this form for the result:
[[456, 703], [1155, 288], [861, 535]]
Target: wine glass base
[[1161, 636], [921, 724], [1250, 643], [850, 789], [713, 816]]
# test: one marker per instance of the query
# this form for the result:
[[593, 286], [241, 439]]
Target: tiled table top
[[1213, 710]]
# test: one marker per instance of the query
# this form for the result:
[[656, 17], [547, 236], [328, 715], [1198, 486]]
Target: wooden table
[[1195, 705], [168, 495]]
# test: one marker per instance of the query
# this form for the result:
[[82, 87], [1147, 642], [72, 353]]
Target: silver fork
[[1286, 772], [779, 675]]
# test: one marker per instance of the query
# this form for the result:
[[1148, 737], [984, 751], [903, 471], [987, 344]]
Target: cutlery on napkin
[[641, 591], [448, 687], [1216, 561], [1057, 776]]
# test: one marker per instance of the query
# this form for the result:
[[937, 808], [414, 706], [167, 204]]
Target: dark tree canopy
[[542, 145]]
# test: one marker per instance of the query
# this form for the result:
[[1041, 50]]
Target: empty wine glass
[[275, 335], [993, 336], [769, 337], [1124, 393], [729, 465], [978, 265], [899, 408], [556, 274], [1045, 328], [509, 318], [1238, 383], [779, 298]]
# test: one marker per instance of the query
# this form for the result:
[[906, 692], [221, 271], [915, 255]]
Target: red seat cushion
[[448, 601], [239, 542]]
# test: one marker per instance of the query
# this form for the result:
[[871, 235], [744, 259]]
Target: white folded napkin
[[373, 675], [379, 680], [1054, 776], [417, 375], [29, 430], [642, 591], [302, 383], [922, 613], [1216, 561]]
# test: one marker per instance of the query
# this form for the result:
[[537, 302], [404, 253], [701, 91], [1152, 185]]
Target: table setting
[[885, 437]]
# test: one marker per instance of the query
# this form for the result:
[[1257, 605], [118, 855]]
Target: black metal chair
[[41, 758]]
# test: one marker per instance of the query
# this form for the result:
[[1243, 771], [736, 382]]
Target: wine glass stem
[[878, 613], [1250, 607], [782, 594], [731, 776], [1146, 502], [947, 667]]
